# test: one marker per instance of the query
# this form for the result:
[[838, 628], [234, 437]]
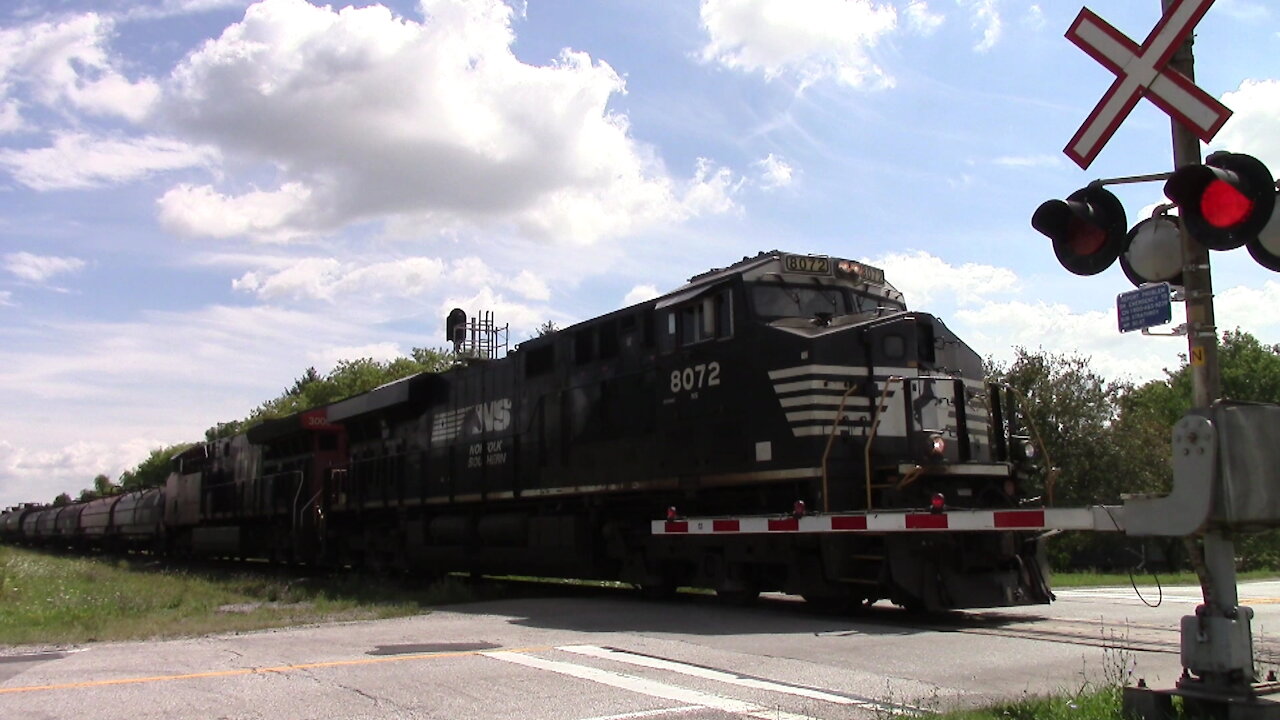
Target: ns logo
[[493, 416]]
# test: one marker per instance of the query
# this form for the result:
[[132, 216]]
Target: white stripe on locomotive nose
[[878, 371], [832, 400], [827, 416]]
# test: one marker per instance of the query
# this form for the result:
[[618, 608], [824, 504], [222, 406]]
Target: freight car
[[784, 383]]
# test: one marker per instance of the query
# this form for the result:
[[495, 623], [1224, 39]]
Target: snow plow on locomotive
[[781, 389]]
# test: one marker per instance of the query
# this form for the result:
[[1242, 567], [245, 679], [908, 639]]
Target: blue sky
[[201, 198]]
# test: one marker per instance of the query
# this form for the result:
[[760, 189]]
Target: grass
[[56, 599], [1095, 704], [1095, 579]]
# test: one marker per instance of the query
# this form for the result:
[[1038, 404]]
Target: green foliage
[[1074, 411], [1250, 371], [350, 377], [62, 499], [153, 471]]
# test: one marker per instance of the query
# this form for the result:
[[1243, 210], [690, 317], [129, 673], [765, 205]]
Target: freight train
[[783, 385]]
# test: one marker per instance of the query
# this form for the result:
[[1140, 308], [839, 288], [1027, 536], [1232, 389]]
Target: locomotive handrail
[[303, 509], [826, 453], [875, 425], [296, 515], [1050, 473]]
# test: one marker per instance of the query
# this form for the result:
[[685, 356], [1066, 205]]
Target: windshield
[[773, 301]]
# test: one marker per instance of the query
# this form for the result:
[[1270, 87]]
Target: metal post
[[1202, 334], [1219, 615]]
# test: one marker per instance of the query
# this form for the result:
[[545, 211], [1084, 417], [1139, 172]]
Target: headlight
[[937, 445]]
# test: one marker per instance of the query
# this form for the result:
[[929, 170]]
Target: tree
[[102, 486], [62, 499], [348, 378], [1075, 413], [153, 471], [1249, 371]]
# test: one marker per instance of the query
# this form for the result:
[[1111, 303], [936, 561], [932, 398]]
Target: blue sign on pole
[[1148, 306]]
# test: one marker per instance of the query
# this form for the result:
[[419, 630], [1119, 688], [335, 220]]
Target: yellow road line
[[260, 671]]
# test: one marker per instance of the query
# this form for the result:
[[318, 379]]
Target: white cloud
[[269, 216], [38, 475], [1029, 161], [1252, 129], [923, 277], [170, 8], [531, 286], [921, 20], [328, 358], [78, 160], [1034, 19], [6, 298], [639, 294], [1238, 307], [164, 377], [1055, 328], [329, 280], [39, 268], [66, 63], [367, 115], [812, 40], [986, 17], [774, 172]]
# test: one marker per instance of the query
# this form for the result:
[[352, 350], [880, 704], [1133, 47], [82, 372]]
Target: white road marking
[[710, 674], [1148, 592], [642, 686], [648, 713]]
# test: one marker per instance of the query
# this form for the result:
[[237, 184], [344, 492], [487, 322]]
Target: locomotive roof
[[775, 263]]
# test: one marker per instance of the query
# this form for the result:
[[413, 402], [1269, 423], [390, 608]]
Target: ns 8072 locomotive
[[784, 386]]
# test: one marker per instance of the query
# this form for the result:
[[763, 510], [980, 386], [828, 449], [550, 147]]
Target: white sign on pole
[[1142, 71]]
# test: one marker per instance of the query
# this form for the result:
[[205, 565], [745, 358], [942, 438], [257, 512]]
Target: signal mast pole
[[1202, 333], [1214, 560]]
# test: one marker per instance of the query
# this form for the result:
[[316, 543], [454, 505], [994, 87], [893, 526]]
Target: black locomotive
[[784, 384]]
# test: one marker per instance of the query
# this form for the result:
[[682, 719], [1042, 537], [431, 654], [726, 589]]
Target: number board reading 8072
[[807, 264]]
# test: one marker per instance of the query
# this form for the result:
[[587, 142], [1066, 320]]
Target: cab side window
[[709, 317]]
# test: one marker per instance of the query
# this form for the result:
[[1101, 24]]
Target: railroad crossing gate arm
[[1226, 474], [1185, 510]]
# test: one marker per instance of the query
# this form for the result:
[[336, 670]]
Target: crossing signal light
[[1153, 251], [1088, 229], [1226, 202], [1265, 248]]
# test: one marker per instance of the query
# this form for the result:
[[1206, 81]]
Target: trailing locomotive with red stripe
[[790, 406]]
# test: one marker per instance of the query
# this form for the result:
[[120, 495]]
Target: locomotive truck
[[784, 388]]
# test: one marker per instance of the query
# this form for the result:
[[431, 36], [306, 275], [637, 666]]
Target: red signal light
[[1225, 202], [1084, 238], [1087, 229], [1223, 206]]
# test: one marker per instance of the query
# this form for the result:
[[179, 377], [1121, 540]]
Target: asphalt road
[[611, 655]]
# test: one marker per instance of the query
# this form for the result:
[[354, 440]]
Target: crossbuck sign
[[1142, 71]]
